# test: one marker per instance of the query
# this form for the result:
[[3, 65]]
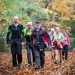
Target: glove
[[46, 44]]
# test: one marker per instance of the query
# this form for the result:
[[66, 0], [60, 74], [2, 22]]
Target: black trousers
[[16, 50], [65, 52], [16, 59]]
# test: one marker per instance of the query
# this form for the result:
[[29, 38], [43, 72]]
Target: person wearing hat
[[15, 37], [40, 42], [29, 47]]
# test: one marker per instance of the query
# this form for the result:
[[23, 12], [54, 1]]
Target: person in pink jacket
[[66, 44]]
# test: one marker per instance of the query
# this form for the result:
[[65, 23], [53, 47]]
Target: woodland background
[[51, 13]]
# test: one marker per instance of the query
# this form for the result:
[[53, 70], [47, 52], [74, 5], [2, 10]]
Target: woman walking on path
[[51, 35], [66, 44], [58, 41]]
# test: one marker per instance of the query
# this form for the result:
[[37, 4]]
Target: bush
[[1, 33], [42, 16], [3, 46]]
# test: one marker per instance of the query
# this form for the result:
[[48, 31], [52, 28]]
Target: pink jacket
[[66, 41]]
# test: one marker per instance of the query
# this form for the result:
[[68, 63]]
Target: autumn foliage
[[66, 68]]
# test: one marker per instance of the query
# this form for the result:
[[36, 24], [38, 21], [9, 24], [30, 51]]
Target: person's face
[[38, 26], [15, 20], [52, 32], [29, 26], [57, 30]]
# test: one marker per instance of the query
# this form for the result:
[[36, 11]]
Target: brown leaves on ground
[[66, 68]]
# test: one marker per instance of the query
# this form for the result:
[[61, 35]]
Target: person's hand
[[9, 45], [46, 44], [23, 43], [50, 47], [58, 43], [69, 46]]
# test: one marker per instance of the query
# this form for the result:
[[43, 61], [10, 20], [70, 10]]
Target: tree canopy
[[60, 11]]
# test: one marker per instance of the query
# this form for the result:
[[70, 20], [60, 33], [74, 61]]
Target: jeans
[[42, 58], [30, 50], [39, 57]]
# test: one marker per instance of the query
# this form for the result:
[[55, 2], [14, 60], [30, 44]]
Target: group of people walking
[[60, 43], [37, 39]]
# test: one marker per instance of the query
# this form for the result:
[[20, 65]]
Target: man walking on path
[[14, 37], [39, 42], [29, 47]]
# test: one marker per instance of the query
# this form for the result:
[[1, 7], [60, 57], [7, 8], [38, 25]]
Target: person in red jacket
[[40, 42], [58, 44]]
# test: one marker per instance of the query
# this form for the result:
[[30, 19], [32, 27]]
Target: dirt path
[[66, 68]]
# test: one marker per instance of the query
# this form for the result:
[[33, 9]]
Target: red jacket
[[45, 38]]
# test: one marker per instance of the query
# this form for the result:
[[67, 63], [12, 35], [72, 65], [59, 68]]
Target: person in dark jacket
[[40, 42], [14, 37]]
